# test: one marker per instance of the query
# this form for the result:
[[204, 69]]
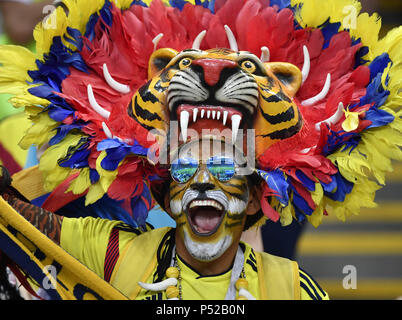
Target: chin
[[207, 251]]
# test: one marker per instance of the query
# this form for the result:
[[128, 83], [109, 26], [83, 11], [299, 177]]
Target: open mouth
[[200, 117], [205, 216]]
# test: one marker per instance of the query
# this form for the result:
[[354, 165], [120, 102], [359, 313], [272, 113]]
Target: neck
[[206, 268]]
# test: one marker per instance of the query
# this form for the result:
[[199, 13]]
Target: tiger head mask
[[219, 89]]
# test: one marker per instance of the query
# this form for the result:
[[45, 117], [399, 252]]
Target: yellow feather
[[367, 29], [28, 101], [17, 57], [40, 132], [54, 174], [316, 217], [314, 13], [318, 194], [95, 192], [14, 63], [351, 122], [318, 197], [80, 12], [363, 195], [106, 177], [81, 183], [123, 4], [287, 214], [54, 24]]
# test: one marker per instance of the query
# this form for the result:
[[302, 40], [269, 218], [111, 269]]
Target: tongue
[[206, 220]]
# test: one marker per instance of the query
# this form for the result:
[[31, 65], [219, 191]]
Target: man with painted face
[[212, 201]]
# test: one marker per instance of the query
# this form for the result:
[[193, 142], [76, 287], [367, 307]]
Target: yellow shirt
[[87, 239]]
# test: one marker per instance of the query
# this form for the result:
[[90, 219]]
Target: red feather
[[268, 211], [59, 197]]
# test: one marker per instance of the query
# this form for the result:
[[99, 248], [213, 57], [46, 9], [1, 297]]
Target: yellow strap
[[29, 183], [137, 262], [278, 277]]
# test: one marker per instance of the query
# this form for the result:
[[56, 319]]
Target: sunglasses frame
[[236, 169]]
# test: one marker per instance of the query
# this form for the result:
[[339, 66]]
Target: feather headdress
[[92, 56]]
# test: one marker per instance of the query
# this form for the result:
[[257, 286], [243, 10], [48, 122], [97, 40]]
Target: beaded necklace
[[173, 286]]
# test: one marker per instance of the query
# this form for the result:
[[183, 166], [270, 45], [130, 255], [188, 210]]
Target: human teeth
[[213, 114], [184, 116], [208, 113], [202, 113], [205, 203], [235, 126], [225, 117], [195, 111], [218, 115]]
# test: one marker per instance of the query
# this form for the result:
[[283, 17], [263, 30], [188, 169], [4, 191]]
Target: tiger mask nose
[[213, 68]]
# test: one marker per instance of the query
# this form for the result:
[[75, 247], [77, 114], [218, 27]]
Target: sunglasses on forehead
[[222, 168]]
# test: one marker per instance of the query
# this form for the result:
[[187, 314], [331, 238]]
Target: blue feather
[[139, 3], [77, 160], [328, 31], [106, 13], [105, 208], [93, 176], [329, 187], [209, 4], [62, 131], [75, 38], [276, 181], [378, 117], [117, 150], [310, 185], [140, 208], [343, 187], [375, 93], [280, 3], [58, 114], [378, 65], [359, 60], [77, 156], [299, 202]]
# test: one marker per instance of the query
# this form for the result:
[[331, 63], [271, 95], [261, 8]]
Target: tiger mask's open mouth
[[209, 117], [205, 216]]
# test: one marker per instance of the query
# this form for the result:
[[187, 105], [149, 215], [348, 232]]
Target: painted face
[[208, 198]]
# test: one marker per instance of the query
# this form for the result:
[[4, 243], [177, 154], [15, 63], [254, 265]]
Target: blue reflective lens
[[221, 168], [183, 169]]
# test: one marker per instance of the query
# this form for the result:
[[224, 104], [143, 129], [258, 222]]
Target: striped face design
[[209, 213], [219, 89]]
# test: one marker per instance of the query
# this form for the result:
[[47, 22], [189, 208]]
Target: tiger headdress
[[218, 89], [109, 79]]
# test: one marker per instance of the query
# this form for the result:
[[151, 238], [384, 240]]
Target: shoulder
[[309, 288], [286, 273]]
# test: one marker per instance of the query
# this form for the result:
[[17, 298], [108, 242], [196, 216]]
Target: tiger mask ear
[[288, 74], [159, 60]]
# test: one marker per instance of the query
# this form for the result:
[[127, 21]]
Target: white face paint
[[236, 206], [207, 251], [209, 213], [175, 207]]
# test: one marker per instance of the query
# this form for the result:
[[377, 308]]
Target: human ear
[[254, 203], [167, 204]]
